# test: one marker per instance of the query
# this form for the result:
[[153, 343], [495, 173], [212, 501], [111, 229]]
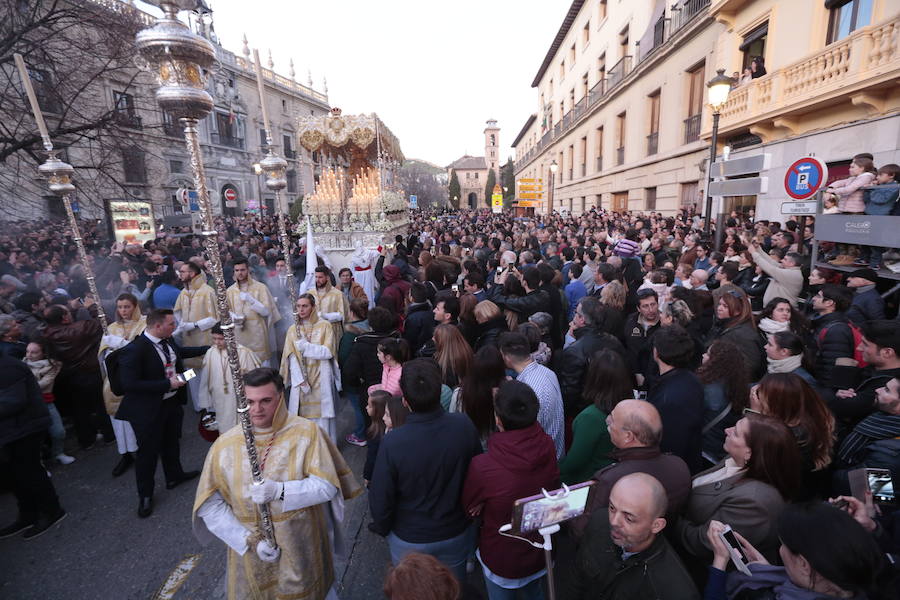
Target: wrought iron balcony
[[227, 140], [653, 143], [692, 128]]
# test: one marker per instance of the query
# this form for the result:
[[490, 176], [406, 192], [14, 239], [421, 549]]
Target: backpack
[[111, 362], [857, 338]]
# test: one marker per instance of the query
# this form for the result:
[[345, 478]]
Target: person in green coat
[[608, 381]]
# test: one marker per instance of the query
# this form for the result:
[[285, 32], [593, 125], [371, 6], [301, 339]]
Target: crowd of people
[[485, 357]]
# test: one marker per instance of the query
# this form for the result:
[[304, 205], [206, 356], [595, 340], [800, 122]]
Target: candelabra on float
[[181, 62], [59, 180]]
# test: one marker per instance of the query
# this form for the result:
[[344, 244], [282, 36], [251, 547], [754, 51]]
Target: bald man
[[635, 429], [698, 279], [624, 555]]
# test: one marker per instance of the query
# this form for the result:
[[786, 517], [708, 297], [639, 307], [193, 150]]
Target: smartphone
[[735, 549], [455, 288], [187, 375], [881, 484], [840, 503], [549, 508]]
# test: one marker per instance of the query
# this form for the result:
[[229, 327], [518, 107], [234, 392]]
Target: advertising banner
[[132, 221]]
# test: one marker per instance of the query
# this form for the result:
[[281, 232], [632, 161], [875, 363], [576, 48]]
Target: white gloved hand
[[332, 317], [267, 553], [301, 345], [266, 491], [114, 341], [255, 305], [244, 296], [187, 326], [207, 323]]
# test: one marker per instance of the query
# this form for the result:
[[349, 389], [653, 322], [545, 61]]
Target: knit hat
[[867, 274]]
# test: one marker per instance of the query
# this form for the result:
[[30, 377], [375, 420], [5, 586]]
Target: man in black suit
[[154, 394]]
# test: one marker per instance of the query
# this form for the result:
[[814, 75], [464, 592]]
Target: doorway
[[473, 200]]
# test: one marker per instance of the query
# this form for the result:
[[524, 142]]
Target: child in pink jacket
[[848, 191], [392, 352]]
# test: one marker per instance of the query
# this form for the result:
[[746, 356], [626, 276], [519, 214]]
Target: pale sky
[[433, 71]]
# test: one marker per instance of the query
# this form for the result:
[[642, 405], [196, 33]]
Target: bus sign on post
[[804, 178]]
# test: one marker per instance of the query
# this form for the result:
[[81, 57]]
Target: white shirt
[[168, 363]]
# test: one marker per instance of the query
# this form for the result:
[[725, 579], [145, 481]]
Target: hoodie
[[517, 464], [393, 297]]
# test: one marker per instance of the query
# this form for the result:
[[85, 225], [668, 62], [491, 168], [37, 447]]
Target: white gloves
[[257, 306], [332, 317], [207, 323], [266, 491], [267, 553], [114, 341], [301, 345], [244, 296], [187, 326]]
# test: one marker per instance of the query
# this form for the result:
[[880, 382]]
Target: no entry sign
[[805, 177], [231, 194]]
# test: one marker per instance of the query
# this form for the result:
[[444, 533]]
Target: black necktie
[[168, 351]]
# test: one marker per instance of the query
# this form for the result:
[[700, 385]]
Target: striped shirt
[[550, 414]]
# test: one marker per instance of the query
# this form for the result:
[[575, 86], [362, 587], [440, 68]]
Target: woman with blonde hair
[[491, 323], [613, 295], [452, 353]]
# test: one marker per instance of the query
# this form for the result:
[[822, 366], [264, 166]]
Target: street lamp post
[[553, 168], [717, 89]]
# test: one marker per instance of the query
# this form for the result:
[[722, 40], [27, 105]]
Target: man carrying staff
[[308, 367], [331, 303], [195, 312], [306, 482], [253, 310], [216, 385]]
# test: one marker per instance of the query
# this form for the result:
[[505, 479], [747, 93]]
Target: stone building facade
[[472, 171]]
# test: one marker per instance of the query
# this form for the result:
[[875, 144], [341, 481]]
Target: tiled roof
[[468, 162]]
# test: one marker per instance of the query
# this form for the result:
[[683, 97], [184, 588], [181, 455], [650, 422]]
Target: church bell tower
[[492, 147]]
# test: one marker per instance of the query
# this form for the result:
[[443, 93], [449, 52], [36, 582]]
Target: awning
[[758, 33]]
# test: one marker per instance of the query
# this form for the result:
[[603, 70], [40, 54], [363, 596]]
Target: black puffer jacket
[[419, 324], [362, 367], [22, 407], [525, 306], [747, 338], [837, 342], [573, 362], [489, 332]]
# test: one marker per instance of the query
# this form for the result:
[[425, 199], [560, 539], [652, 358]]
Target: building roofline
[[574, 9], [525, 127]]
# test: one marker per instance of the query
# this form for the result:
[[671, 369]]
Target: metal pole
[[211, 244], [181, 61], [707, 221], [88, 271]]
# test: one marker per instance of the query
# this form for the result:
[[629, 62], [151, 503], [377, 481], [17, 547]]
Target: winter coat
[[362, 367], [573, 363], [393, 296], [868, 305], [850, 194], [881, 199], [836, 343], [524, 306], [638, 341], [678, 396], [76, 345], [786, 283], [419, 324], [22, 407], [746, 337], [599, 571], [517, 464], [489, 331]]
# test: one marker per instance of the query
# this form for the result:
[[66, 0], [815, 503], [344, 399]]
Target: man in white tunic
[[309, 368], [195, 313], [253, 310], [306, 482], [216, 383]]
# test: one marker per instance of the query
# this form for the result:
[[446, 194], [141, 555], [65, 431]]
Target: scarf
[[785, 365], [770, 326], [877, 426]]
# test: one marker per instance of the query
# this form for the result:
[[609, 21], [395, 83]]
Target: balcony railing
[[620, 156], [692, 128], [618, 72], [127, 119], [227, 140], [653, 143], [599, 163], [583, 169], [867, 57], [290, 154], [683, 14]]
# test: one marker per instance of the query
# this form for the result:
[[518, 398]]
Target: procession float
[[356, 205]]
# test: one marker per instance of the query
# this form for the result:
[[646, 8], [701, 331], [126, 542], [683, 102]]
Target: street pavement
[[103, 550]]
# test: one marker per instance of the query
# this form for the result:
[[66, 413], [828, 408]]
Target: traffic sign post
[[413, 201], [805, 177], [799, 208]]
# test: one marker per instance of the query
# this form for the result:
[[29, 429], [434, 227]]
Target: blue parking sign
[[805, 177]]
